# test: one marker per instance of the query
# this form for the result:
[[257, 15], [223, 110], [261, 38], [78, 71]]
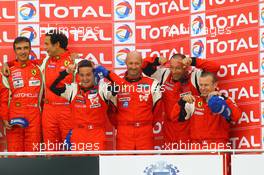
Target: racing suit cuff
[[193, 61], [64, 73], [156, 62], [181, 102]]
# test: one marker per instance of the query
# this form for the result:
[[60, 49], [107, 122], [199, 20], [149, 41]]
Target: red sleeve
[[3, 102], [206, 65], [149, 65], [236, 112], [148, 60], [115, 78]]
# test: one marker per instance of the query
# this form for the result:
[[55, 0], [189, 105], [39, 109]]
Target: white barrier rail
[[133, 152]]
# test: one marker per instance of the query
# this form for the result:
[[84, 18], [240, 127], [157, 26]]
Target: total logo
[[167, 53], [262, 88], [248, 118], [80, 34], [234, 20], [54, 11], [6, 38], [241, 93], [261, 14], [6, 14], [237, 69], [261, 62], [124, 10], [124, 33], [31, 32], [198, 24], [34, 54], [221, 2], [198, 47], [28, 11], [245, 142], [261, 39], [120, 56], [262, 114], [197, 5], [155, 9], [147, 32], [231, 45]]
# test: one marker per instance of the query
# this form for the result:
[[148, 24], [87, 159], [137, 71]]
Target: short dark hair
[[210, 74], [84, 63], [58, 36], [178, 55], [19, 40]]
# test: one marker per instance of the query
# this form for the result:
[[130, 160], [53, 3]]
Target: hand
[[7, 125], [71, 68], [186, 62], [162, 60], [74, 56], [189, 108], [188, 98], [101, 71], [5, 70], [216, 93], [218, 105]]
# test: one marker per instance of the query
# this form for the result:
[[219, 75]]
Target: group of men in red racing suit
[[179, 89]]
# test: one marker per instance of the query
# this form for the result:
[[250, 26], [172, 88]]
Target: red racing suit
[[89, 113], [25, 84], [56, 111], [4, 95], [176, 129], [208, 127], [135, 102]]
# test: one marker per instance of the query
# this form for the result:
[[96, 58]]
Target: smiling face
[[22, 51], [133, 63], [176, 69], [51, 48], [86, 76], [207, 85]]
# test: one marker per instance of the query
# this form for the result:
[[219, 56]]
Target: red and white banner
[[230, 32]]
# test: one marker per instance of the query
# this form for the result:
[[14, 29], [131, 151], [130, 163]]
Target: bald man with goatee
[[136, 103], [136, 99]]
